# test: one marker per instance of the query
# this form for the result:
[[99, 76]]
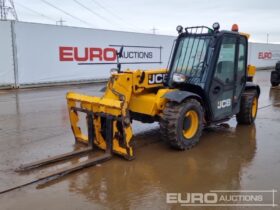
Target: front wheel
[[181, 124]]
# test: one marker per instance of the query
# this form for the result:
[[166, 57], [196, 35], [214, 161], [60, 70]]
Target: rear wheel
[[249, 108], [274, 78], [273, 84], [250, 79], [181, 124]]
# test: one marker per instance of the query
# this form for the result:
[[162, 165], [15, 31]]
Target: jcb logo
[[224, 103], [156, 78]]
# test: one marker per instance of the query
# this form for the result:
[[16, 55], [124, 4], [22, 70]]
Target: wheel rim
[[190, 124], [254, 107]]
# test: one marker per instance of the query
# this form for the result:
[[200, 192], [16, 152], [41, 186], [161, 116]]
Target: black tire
[[171, 124], [274, 78], [277, 66], [250, 79], [245, 115], [274, 84]]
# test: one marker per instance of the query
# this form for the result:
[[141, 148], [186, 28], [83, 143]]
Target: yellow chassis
[[136, 91], [126, 92]]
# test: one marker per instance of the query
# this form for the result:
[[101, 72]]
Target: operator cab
[[212, 64]]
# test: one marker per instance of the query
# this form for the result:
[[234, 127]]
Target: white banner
[[264, 55], [48, 53], [6, 54]]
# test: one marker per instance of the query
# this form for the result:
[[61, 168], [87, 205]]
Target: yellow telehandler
[[208, 81]]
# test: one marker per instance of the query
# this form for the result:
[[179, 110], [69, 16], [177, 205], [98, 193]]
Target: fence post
[[15, 58]]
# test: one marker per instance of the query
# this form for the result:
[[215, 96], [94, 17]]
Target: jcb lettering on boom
[[156, 78]]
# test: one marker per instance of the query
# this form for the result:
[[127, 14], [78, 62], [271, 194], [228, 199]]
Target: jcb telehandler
[[205, 83]]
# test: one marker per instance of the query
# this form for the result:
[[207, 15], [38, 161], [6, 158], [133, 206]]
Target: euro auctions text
[[256, 198]]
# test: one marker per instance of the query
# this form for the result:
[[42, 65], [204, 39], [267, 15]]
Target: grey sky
[[257, 17]]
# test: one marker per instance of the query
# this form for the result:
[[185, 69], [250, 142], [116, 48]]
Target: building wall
[[47, 54], [6, 55], [264, 55]]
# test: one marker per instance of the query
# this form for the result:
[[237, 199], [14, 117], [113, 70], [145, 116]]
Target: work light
[[216, 26], [114, 71], [179, 78], [179, 28]]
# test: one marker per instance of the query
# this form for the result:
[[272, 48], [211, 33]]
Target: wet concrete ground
[[34, 125]]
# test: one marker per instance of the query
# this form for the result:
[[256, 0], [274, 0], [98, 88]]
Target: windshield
[[190, 57]]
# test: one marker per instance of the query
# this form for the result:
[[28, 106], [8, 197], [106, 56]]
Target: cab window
[[225, 65], [241, 67]]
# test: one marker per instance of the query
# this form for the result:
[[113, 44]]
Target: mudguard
[[253, 86], [180, 95]]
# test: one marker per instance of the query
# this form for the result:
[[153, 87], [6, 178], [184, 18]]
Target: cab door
[[222, 88], [240, 78]]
